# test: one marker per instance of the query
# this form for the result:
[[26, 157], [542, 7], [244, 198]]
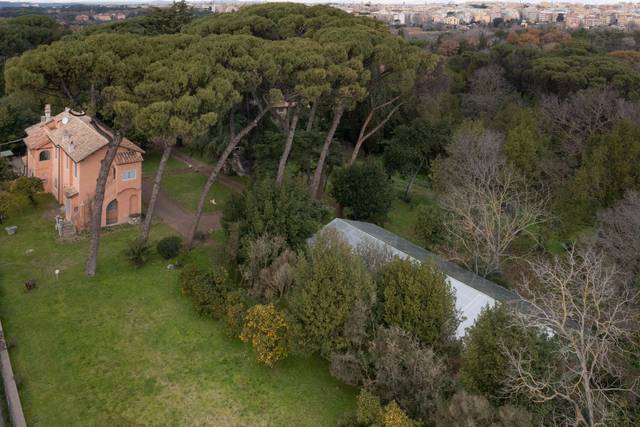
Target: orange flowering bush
[[267, 330]]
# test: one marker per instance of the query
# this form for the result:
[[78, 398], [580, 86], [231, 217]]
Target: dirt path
[[205, 168], [177, 217]]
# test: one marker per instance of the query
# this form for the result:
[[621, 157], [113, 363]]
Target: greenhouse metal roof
[[473, 292]]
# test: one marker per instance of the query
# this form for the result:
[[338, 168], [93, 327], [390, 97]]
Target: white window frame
[[129, 175]]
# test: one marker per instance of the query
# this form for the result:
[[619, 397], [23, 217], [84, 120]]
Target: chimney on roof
[[66, 139], [47, 112]]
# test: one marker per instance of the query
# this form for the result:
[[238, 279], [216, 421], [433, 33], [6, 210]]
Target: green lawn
[[403, 214], [126, 348], [152, 162], [185, 189]]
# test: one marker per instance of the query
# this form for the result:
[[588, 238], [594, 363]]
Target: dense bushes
[[21, 193], [329, 283], [416, 297], [287, 211], [268, 332], [169, 247], [365, 190], [11, 204], [207, 288], [484, 365], [27, 186]]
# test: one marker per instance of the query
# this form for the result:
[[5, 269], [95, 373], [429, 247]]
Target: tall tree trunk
[[312, 116], [95, 222], [233, 142], [364, 135], [317, 175], [412, 180], [287, 147], [166, 154]]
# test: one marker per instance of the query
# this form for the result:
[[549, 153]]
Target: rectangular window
[[75, 169], [129, 175], [66, 164]]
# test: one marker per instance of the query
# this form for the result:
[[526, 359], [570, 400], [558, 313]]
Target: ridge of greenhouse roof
[[491, 289]]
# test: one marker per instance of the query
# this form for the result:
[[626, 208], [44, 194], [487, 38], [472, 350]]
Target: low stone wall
[[10, 388]]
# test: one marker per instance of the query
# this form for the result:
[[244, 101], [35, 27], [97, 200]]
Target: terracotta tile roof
[[76, 135], [36, 138], [126, 157]]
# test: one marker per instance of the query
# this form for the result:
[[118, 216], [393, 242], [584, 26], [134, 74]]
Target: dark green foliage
[[23, 33], [207, 288], [27, 186], [417, 298], [137, 252], [414, 145], [237, 305], [562, 74], [365, 190], [12, 204], [287, 211], [169, 247], [6, 171], [329, 282], [429, 226], [610, 168], [525, 144], [484, 367]]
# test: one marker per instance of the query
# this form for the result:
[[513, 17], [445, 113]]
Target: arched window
[[45, 155]]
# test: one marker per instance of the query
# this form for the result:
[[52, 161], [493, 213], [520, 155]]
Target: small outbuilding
[[473, 292]]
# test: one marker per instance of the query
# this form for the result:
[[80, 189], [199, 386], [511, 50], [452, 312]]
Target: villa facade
[[65, 151]]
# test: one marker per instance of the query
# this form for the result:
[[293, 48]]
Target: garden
[[127, 348]]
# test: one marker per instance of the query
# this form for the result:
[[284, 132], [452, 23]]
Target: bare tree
[[489, 203], [618, 235], [575, 120], [489, 93], [589, 312]]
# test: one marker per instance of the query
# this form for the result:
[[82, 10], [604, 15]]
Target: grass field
[[185, 189], [403, 214], [126, 348], [152, 162]]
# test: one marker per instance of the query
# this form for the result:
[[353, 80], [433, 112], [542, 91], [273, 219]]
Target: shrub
[[429, 226], [27, 186], [236, 310], [417, 298], [407, 372], [484, 365], [365, 189], [328, 284], [137, 252], [267, 330], [371, 413], [394, 416], [207, 288], [269, 267], [12, 204], [369, 410], [286, 210], [464, 409], [169, 247]]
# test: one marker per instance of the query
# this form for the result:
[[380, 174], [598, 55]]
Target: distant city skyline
[[380, 2]]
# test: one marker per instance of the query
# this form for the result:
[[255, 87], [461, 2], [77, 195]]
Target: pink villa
[[65, 152]]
